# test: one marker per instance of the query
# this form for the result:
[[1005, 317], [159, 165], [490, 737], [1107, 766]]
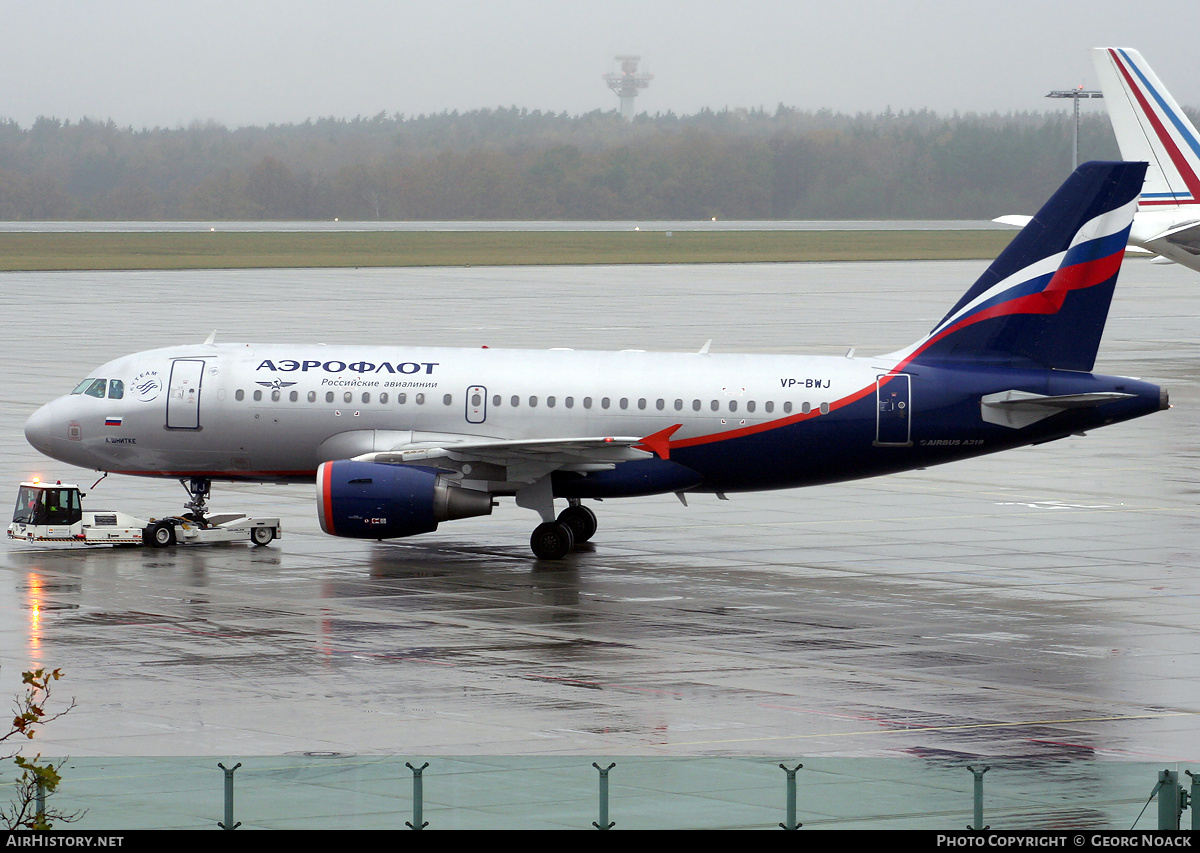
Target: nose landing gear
[[199, 489]]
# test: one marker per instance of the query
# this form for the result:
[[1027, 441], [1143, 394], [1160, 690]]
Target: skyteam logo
[[147, 385]]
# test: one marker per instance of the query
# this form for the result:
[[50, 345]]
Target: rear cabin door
[[893, 425], [183, 398]]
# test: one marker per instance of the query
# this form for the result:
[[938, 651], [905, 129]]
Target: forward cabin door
[[183, 397]]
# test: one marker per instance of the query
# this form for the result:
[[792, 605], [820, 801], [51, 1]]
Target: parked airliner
[[1150, 126], [400, 438]]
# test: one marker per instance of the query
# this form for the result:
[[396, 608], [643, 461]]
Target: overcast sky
[[151, 63]]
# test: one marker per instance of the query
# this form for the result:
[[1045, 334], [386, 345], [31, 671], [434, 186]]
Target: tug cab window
[[47, 506]]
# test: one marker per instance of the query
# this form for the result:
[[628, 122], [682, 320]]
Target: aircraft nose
[[38, 429]]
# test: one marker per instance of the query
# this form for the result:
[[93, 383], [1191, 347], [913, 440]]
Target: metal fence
[[334, 791]]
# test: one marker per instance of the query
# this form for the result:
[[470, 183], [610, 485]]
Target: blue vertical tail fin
[[1044, 301]]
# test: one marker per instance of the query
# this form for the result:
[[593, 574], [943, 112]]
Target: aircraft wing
[[1020, 221], [525, 460], [1186, 236]]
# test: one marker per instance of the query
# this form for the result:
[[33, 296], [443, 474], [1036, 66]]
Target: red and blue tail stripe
[[1044, 301]]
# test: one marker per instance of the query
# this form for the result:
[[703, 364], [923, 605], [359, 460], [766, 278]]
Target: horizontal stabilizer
[[1017, 409], [1019, 220]]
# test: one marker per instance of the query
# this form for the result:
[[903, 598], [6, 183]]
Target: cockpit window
[[82, 386], [116, 389], [96, 389]]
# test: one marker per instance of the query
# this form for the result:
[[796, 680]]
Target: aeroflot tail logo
[[289, 365]]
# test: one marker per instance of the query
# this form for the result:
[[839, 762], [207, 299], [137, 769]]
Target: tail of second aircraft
[[1044, 301], [1150, 126]]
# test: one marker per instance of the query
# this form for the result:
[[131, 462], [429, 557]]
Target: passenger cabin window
[[239, 395]]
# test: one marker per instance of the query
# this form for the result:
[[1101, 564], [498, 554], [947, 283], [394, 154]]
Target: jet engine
[[370, 500]]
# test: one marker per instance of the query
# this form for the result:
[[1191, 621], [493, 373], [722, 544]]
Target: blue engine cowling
[[370, 500]]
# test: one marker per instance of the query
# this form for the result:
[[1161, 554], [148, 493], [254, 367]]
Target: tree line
[[518, 164]]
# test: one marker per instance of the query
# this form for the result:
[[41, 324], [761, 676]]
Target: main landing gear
[[553, 540]]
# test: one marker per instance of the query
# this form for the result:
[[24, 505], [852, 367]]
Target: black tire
[[551, 541], [581, 520], [162, 535], [262, 535]]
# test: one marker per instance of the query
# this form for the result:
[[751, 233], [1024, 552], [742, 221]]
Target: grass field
[[222, 250]]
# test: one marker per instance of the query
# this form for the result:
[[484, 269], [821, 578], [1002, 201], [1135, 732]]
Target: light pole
[[1075, 95]]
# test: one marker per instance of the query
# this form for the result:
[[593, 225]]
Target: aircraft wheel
[[551, 541], [262, 535], [581, 520], [162, 535]]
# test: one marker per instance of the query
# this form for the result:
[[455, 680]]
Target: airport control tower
[[628, 83]]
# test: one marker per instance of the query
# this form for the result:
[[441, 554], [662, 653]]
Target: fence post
[[791, 797], [418, 797], [603, 823], [978, 774], [229, 824], [1170, 805]]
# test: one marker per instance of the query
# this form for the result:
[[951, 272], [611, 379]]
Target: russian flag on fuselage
[[1044, 301]]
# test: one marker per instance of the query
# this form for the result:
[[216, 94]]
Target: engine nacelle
[[370, 500]]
